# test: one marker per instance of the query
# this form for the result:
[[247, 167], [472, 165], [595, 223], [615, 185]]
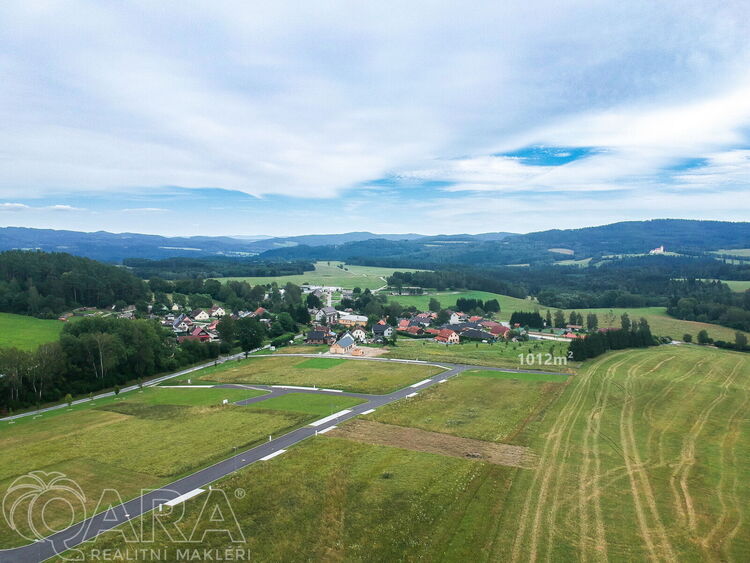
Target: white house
[[359, 334], [200, 315], [217, 311], [328, 315]]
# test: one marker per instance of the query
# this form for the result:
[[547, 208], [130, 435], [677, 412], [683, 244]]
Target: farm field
[[494, 409], [643, 456], [737, 285], [328, 273], [143, 439], [493, 355], [347, 375], [318, 405], [27, 333]]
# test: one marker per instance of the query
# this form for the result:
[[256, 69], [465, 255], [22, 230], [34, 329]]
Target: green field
[[27, 333], [351, 375], [643, 456], [734, 251], [500, 354], [142, 439], [329, 274], [318, 405], [494, 409], [448, 300]]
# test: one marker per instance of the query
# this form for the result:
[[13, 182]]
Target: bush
[[282, 340]]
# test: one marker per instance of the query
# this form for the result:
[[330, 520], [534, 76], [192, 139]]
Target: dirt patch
[[370, 432]]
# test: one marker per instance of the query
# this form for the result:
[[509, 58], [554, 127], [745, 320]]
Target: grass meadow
[[27, 333], [329, 274], [642, 456], [348, 375]]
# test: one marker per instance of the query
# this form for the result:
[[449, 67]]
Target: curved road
[[95, 525]]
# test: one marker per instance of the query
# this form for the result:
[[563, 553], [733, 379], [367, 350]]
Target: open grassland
[[448, 299], [331, 499], [500, 354], [734, 251], [319, 405], [352, 375], [145, 439], [494, 409], [644, 456], [27, 333], [329, 274], [737, 285]]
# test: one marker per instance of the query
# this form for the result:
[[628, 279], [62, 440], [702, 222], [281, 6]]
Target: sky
[[287, 118]]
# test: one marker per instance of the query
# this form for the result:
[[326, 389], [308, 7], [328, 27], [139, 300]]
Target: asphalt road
[[91, 527]]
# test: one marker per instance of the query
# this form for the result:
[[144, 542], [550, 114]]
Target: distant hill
[[115, 247], [631, 237]]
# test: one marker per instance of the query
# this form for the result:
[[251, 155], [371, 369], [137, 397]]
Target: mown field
[[329, 274], [141, 439], [448, 299], [348, 375], [484, 405], [643, 456], [27, 333], [500, 354]]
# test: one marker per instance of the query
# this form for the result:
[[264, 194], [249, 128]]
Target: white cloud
[[13, 207], [64, 208]]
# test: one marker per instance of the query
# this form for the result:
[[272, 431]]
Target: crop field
[[500, 354], [351, 375], [143, 439], [27, 333], [494, 409], [329, 274], [642, 456]]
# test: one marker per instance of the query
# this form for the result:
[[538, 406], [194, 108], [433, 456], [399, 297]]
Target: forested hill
[[632, 237], [46, 284]]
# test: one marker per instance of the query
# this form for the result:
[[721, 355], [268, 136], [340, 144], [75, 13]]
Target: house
[[475, 318], [457, 318], [382, 331], [403, 324], [327, 315], [182, 323], [201, 334], [343, 345], [447, 336], [474, 334], [353, 320], [217, 311], [259, 312], [413, 330], [199, 315], [319, 337], [432, 331], [574, 327], [657, 250], [499, 331], [359, 334], [175, 307], [213, 326]]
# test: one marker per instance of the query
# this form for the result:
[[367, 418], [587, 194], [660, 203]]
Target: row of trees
[[597, 343], [93, 353]]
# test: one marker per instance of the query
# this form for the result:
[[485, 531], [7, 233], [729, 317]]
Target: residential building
[[343, 345], [447, 336]]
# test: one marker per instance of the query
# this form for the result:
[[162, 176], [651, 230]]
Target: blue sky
[[285, 118]]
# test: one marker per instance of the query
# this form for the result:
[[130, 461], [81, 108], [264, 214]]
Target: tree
[[286, 322], [69, 399], [548, 319], [227, 329], [313, 301], [443, 317], [740, 340], [625, 322], [687, 337], [592, 322], [250, 333], [117, 389], [492, 306], [559, 319], [703, 337], [434, 305]]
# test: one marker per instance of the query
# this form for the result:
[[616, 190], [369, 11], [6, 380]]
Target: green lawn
[[319, 405], [27, 333], [500, 354], [523, 377], [359, 376], [144, 439], [494, 409], [320, 363], [329, 274]]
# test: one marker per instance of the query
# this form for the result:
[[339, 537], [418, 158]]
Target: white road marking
[[183, 498], [273, 455], [295, 387], [330, 418], [419, 384], [185, 386], [442, 381], [412, 395], [333, 390], [326, 429], [369, 411]]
